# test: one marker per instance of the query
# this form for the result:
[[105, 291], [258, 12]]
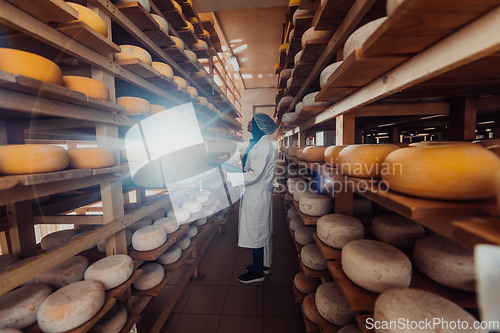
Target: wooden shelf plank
[[187, 36], [131, 321], [49, 177], [185, 254], [175, 19], [477, 230], [176, 54], [154, 254], [154, 292], [310, 326], [313, 273], [139, 67], [163, 82], [116, 292], [294, 47], [330, 14], [190, 66], [302, 69], [122, 169], [302, 23], [138, 15], [165, 5], [306, 113], [313, 50], [83, 33], [328, 252], [202, 53], [361, 319], [282, 58], [47, 10], [160, 38]]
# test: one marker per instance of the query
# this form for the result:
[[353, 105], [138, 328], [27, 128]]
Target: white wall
[[251, 97]]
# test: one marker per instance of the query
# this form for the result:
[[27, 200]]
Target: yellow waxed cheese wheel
[[200, 73], [314, 154], [283, 46], [177, 6], [207, 19], [293, 3], [88, 86], [113, 321], [309, 307], [200, 45], [65, 273], [446, 172], [488, 143], [30, 65], [365, 161], [202, 101], [178, 42], [292, 151], [190, 27], [193, 20], [111, 271], [152, 275], [164, 69], [18, 308], [331, 154], [28, 159], [171, 255], [181, 83], [161, 22], [133, 52], [304, 284], [312, 258], [91, 158], [359, 37], [91, 18], [149, 238], [134, 104], [332, 305], [276, 67], [191, 55], [192, 91], [397, 230], [156, 108], [206, 34], [211, 106], [300, 153], [312, 35], [495, 150], [56, 238], [71, 306]]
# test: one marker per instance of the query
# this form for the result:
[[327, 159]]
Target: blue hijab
[[256, 135]]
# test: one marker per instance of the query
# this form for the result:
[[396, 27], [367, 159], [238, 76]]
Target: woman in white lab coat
[[256, 213]]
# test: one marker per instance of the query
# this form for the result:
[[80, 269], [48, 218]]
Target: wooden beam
[[21, 231], [378, 110], [69, 219], [463, 114], [345, 135]]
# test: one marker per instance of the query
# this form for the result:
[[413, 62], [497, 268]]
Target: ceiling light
[[259, 76], [235, 64], [386, 125], [247, 76], [240, 48]]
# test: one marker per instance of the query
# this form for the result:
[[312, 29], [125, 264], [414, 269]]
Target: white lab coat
[[256, 205]]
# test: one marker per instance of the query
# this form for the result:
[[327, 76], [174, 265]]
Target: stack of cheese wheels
[[361, 205], [419, 306], [310, 310], [359, 37], [365, 161], [331, 154], [312, 258], [350, 329], [144, 222], [304, 235], [113, 321], [327, 72], [23, 159], [168, 223], [314, 154], [178, 42], [397, 231], [134, 104], [184, 242], [101, 246], [171, 255], [161, 22], [149, 238], [71, 306], [164, 69], [6, 260], [336, 230], [309, 100], [128, 52], [446, 262], [152, 275], [192, 231], [91, 18], [111, 271], [304, 284], [91, 158], [375, 266], [64, 273], [57, 238], [445, 172], [291, 182], [87, 86], [155, 108], [315, 204], [287, 99], [391, 6], [312, 35], [18, 308], [332, 305]]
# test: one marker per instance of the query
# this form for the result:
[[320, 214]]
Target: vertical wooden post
[[5, 243], [394, 135], [21, 230], [463, 114], [345, 135], [302, 139]]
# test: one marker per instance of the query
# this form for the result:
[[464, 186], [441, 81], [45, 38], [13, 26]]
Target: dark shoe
[[266, 270], [251, 277]]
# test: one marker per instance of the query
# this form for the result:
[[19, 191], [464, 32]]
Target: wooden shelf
[[182, 260], [138, 15], [187, 36], [165, 5], [294, 47], [328, 252], [160, 38], [116, 292], [313, 50], [306, 113], [190, 66], [302, 69], [47, 10], [163, 82], [131, 321], [361, 319], [302, 23], [310, 326], [282, 58], [202, 53], [139, 67], [154, 292], [175, 19], [154, 254], [176, 54]]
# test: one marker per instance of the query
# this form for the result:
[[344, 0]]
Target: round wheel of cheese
[[397, 230], [171, 255], [446, 172], [192, 92], [375, 266], [184, 242], [164, 69], [91, 18], [361, 205], [291, 151], [297, 57], [57, 238], [299, 192], [312, 258], [144, 222], [9, 330], [70, 306], [101, 246], [155, 108], [202, 198], [304, 235], [191, 55], [309, 307], [18, 308], [392, 5], [301, 12], [152, 275], [178, 42], [312, 35], [292, 212], [200, 45], [192, 231], [298, 108], [111, 271], [309, 100], [6, 260], [288, 117], [365, 161], [91, 158], [67, 272], [200, 222], [149, 238], [21, 262], [418, 305], [446, 262], [287, 99], [331, 154], [358, 37], [314, 154], [29, 159], [134, 104], [327, 72], [161, 22], [285, 74], [336, 230], [113, 321], [289, 83], [304, 284], [202, 101], [193, 206], [350, 329], [169, 224], [88, 86], [30, 65], [181, 83], [133, 52], [315, 205], [332, 305]]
